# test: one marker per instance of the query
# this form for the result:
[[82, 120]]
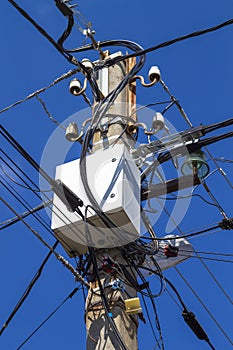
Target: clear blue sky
[[199, 73]]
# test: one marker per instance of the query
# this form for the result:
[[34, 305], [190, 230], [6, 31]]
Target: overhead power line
[[42, 31], [60, 258], [28, 289], [66, 75], [48, 317], [162, 45], [15, 219]]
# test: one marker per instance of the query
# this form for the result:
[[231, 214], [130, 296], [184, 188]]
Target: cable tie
[[110, 314]]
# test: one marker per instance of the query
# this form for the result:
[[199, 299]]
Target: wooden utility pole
[[99, 333]]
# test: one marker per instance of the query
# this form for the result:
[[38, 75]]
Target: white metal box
[[114, 181]]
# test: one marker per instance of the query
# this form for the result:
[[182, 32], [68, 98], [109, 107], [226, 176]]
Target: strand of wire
[[156, 47], [20, 149], [62, 215], [27, 291], [75, 290], [49, 114], [204, 306], [66, 75], [25, 204], [58, 256]]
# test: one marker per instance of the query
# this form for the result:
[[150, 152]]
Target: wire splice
[[226, 224], [195, 326]]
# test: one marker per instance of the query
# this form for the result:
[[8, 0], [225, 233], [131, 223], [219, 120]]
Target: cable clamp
[[226, 224]]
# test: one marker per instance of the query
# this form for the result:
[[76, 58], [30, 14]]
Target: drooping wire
[[75, 290], [34, 190], [28, 289], [159, 46], [48, 113], [154, 48]]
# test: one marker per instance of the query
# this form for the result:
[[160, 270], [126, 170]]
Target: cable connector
[[226, 224], [68, 197], [171, 251], [195, 326]]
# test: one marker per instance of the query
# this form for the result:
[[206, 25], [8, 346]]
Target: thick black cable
[[167, 43], [67, 31], [48, 317], [28, 289], [184, 236], [62, 218], [42, 31], [70, 58], [153, 48]]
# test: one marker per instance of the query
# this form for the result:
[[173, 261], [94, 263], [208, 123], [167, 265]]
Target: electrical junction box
[[114, 181]]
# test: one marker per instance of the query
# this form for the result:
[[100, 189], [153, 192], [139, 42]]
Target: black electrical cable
[[153, 48], [15, 219], [153, 306], [167, 43], [28, 289], [189, 196], [26, 205], [150, 322], [69, 57], [188, 235], [167, 281], [63, 218], [67, 31], [42, 31], [17, 183], [49, 316], [61, 190], [188, 316]]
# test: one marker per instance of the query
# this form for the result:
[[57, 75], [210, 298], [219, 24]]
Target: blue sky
[[199, 72]]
